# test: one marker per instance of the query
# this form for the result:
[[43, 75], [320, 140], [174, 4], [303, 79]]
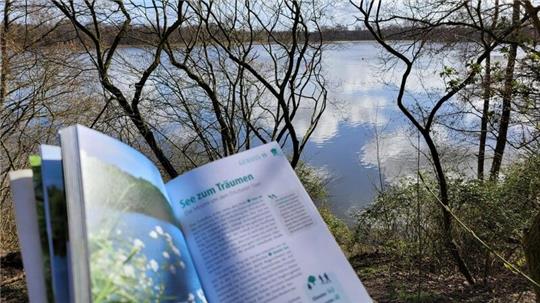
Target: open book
[[240, 229]]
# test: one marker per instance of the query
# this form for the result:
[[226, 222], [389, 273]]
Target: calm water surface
[[344, 145], [362, 104], [364, 140]]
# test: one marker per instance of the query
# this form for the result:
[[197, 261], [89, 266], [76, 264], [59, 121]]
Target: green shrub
[[338, 228], [405, 220]]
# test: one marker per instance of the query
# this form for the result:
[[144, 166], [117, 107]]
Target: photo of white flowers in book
[[137, 253]]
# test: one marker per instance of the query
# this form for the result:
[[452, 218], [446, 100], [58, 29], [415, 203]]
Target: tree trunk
[[4, 53], [531, 246], [484, 120], [486, 97], [506, 100], [533, 12], [449, 242]]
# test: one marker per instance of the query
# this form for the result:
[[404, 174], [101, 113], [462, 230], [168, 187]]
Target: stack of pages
[[97, 223]]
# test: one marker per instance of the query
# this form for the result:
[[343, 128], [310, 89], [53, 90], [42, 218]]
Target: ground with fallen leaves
[[384, 282]]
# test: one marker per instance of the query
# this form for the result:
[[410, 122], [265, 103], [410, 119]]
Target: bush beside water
[[400, 232]]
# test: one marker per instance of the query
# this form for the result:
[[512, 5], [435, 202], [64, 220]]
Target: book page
[[35, 164], [136, 250], [54, 200], [26, 218], [256, 236]]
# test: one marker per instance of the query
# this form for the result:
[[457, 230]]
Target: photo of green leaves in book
[[137, 253]]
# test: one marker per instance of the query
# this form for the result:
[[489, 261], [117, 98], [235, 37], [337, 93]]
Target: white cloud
[[395, 152]]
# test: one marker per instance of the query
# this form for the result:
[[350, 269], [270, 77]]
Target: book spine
[[78, 244]]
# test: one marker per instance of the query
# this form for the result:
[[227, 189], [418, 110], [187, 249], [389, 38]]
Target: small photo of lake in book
[[137, 252]]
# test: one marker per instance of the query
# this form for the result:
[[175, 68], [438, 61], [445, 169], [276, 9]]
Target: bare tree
[[506, 98], [291, 78], [103, 53], [212, 49], [41, 92], [419, 24], [486, 40]]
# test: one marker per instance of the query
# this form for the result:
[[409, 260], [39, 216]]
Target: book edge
[[78, 243], [22, 191]]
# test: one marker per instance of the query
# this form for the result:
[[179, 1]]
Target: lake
[[363, 141], [344, 144]]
